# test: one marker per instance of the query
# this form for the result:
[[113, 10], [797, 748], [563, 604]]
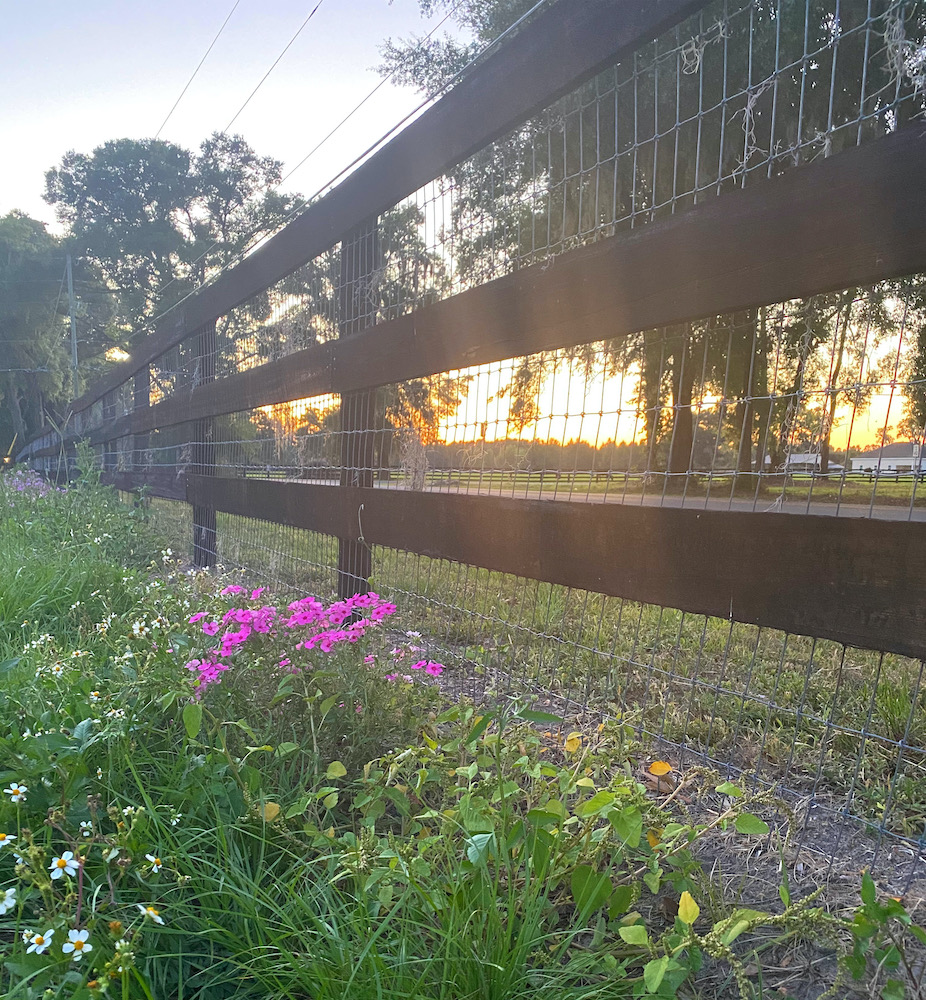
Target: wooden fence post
[[360, 262], [141, 398], [203, 450]]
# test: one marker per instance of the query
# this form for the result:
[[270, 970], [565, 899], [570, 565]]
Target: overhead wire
[[429, 99], [198, 67], [234, 117]]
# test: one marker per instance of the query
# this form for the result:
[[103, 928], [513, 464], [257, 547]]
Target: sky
[[76, 74]]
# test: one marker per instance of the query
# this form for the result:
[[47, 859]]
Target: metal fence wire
[[805, 406]]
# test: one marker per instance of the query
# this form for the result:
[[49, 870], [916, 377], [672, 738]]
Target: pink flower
[[369, 659], [392, 677], [284, 662], [255, 594], [210, 628], [380, 612], [419, 665], [233, 589], [434, 669], [195, 618]]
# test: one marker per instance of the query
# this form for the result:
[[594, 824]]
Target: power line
[[429, 99], [195, 71], [273, 67]]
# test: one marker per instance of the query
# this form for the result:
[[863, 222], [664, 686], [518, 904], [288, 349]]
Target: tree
[[158, 220]]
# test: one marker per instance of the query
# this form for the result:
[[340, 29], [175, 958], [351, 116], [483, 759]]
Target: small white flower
[[8, 900], [39, 942], [57, 669], [6, 838], [16, 792], [77, 942], [150, 912], [86, 828], [99, 773], [156, 863], [128, 810], [175, 818], [413, 635], [26, 935], [94, 696], [65, 865]]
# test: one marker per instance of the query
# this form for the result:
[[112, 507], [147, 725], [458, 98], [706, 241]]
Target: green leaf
[[330, 801], [751, 825], [654, 972], [329, 703], [531, 716], [298, 808], [335, 770], [653, 881], [628, 824], [192, 718], [285, 749], [590, 888], [598, 802], [919, 933], [82, 731], [893, 989], [869, 892], [477, 847], [728, 788], [634, 934], [482, 724], [621, 901]]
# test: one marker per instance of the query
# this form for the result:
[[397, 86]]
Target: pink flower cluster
[[238, 624]]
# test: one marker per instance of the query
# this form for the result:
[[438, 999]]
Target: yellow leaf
[[688, 909], [659, 768], [270, 811], [654, 836], [573, 742]]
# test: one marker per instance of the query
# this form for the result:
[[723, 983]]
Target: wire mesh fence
[[814, 405]]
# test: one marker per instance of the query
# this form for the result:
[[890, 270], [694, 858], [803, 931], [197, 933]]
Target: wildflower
[[8, 900], [39, 942], [86, 828], [16, 792], [369, 659], [255, 594], [65, 865], [139, 629], [193, 619], [156, 863], [413, 635], [94, 696], [99, 773], [233, 589], [434, 669], [210, 628], [420, 665], [77, 943], [57, 669], [6, 838], [150, 912], [392, 677]]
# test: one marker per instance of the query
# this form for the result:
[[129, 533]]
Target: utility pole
[[72, 310]]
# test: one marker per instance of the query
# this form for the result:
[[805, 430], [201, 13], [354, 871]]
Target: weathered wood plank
[[558, 51], [707, 261], [855, 580]]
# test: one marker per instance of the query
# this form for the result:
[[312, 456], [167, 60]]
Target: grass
[[332, 833]]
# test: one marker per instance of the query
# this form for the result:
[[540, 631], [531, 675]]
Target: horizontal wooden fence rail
[[706, 261], [552, 55], [854, 580]]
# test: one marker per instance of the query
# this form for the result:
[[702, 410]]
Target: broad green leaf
[[654, 972], [82, 731], [298, 808], [335, 770], [869, 892], [751, 825], [688, 909], [590, 888], [477, 847], [598, 802], [621, 901], [634, 934], [893, 989], [192, 718], [728, 788], [330, 800], [329, 703], [482, 724], [285, 749], [628, 824]]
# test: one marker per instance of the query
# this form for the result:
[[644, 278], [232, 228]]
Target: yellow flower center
[[39, 939], [2, 837], [152, 911], [157, 861], [78, 945], [61, 863]]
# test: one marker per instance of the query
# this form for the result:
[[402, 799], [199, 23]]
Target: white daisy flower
[[65, 865], [8, 900], [150, 912], [86, 828], [39, 942], [94, 696], [156, 863], [6, 838], [16, 792], [77, 943]]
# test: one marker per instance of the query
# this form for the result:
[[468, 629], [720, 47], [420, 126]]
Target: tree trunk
[[683, 423]]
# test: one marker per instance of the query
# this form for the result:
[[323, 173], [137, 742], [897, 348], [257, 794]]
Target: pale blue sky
[[74, 74]]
